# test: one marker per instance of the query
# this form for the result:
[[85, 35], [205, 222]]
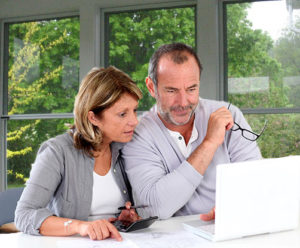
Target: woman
[[76, 181]]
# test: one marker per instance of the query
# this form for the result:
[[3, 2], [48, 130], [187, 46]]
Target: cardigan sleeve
[[45, 176], [164, 191]]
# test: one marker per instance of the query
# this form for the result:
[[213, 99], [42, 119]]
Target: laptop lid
[[257, 197]]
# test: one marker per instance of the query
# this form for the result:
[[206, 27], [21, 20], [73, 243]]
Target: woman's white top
[[107, 197]]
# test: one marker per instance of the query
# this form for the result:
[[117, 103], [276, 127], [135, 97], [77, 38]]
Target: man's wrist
[[209, 145]]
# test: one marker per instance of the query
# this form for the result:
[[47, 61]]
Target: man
[[171, 161]]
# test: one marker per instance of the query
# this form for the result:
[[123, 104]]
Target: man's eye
[[170, 91]]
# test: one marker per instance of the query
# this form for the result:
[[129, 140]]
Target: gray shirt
[[159, 173], [60, 183]]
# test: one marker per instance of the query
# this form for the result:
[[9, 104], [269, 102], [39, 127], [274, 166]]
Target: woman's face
[[118, 122]]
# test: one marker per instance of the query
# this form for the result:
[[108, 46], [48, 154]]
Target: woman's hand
[[98, 230], [127, 215]]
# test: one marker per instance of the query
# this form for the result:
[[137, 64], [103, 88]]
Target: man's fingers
[[209, 216]]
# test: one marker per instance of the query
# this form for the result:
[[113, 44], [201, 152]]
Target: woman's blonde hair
[[99, 90]]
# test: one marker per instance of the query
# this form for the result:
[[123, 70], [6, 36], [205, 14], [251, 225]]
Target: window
[[262, 70], [134, 36], [41, 80]]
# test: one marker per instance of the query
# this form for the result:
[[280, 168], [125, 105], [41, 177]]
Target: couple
[[76, 183]]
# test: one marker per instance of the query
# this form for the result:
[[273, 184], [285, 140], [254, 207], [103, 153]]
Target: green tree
[[251, 54], [43, 58], [134, 36]]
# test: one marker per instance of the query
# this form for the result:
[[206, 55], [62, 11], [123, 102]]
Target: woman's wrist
[[75, 227]]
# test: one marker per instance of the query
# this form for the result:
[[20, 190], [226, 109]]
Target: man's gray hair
[[176, 51]]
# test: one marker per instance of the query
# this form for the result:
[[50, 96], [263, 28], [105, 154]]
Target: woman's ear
[[93, 119]]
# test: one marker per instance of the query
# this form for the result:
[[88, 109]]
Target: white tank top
[[107, 197]]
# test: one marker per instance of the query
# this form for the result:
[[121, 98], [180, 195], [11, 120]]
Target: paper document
[[180, 239]]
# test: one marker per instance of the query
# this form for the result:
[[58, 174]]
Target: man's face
[[177, 91]]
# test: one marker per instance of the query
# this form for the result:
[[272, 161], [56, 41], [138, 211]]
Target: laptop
[[253, 197]]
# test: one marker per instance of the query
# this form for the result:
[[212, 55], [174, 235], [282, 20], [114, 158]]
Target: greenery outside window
[[262, 74], [134, 36], [41, 79]]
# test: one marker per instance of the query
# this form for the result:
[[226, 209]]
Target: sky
[[270, 16]]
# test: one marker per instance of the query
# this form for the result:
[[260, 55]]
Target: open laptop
[[253, 197]]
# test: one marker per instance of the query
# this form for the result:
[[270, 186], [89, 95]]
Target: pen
[[132, 207]]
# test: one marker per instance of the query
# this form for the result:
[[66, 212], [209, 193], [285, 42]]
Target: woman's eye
[[122, 114]]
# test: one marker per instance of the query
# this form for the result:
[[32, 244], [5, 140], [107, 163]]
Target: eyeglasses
[[247, 134]]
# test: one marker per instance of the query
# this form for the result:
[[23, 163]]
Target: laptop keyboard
[[208, 228]]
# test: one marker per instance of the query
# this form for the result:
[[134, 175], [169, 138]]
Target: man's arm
[[148, 160], [219, 122]]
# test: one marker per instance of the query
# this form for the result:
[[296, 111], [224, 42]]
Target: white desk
[[171, 228]]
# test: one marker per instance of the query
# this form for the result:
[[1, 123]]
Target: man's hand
[[219, 122], [209, 216]]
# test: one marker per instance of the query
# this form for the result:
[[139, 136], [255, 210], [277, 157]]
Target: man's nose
[[182, 98]]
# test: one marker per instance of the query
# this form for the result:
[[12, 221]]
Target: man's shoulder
[[210, 104], [147, 122]]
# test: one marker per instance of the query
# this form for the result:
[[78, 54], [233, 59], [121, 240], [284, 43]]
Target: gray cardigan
[[60, 183], [160, 175]]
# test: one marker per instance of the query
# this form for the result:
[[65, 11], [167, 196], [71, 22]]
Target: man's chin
[[180, 121]]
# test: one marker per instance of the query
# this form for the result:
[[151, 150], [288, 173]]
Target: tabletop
[[162, 234]]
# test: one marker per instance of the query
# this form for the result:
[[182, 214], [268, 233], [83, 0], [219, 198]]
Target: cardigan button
[[124, 191], [115, 170]]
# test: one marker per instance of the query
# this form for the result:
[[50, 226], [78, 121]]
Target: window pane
[[281, 136], [134, 36], [23, 141], [263, 49], [43, 70]]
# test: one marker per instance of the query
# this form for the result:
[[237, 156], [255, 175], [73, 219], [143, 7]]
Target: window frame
[[105, 12], [4, 117], [224, 63]]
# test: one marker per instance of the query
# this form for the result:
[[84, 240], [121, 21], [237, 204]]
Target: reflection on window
[[263, 50], [24, 139], [134, 36], [43, 66]]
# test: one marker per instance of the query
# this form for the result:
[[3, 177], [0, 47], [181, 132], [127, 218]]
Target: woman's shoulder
[[59, 143], [64, 139]]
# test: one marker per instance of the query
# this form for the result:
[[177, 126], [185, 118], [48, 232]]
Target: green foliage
[[252, 53], [134, 36], [42, 78]]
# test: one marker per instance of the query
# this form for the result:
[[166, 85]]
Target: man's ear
[[92, 118], [150, 85]]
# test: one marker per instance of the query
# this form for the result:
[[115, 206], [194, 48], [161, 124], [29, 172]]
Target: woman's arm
[[96, 230]]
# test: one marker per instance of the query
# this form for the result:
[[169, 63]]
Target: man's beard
[[167, 116]]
